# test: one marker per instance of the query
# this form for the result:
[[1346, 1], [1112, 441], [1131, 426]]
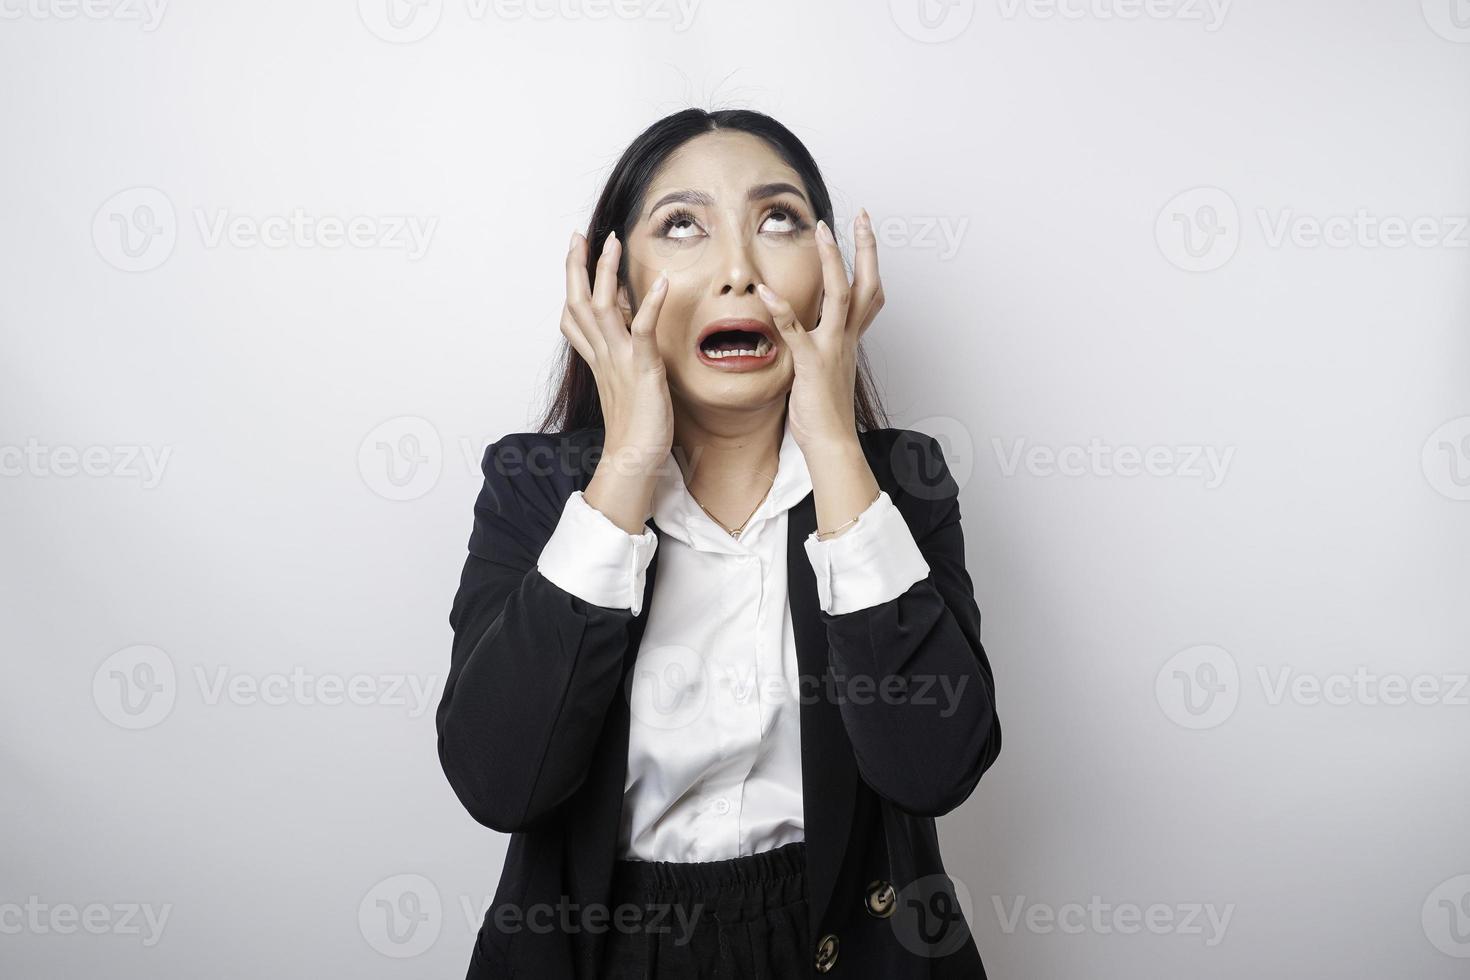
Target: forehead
[[724, 164]]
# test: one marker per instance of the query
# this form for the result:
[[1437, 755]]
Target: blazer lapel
[[828, 768]]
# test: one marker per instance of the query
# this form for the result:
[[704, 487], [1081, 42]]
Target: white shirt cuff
[[872, 562], [595, 560]]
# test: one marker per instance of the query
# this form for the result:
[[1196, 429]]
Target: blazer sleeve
[[533, 667], [919, 693], [877, 560]]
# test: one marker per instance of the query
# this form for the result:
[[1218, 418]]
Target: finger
[[605, 288], [872, 314], [867, 287], [788, 328], [571, 330], [644, 328], [579, 300], [835, 289]]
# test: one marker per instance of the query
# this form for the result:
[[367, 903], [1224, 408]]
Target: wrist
[[624, 498], [632, 461], [835, 451], [842, 529]]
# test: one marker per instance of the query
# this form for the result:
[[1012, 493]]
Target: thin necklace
[[734, 532]]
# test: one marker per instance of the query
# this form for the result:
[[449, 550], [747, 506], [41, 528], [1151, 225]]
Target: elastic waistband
[[702, 877]]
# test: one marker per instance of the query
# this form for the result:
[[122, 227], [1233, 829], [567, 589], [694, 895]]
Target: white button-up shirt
[[714, 744]]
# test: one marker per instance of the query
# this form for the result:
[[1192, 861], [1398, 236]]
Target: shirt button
[[722, 805]]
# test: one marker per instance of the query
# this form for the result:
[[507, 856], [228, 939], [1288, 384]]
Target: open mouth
[[737, 343], [723, 344]]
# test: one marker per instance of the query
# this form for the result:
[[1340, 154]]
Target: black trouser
[[741, 918]]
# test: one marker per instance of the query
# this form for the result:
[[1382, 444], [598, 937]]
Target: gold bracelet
[[824, 535]]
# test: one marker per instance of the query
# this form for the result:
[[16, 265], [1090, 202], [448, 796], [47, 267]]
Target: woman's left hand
[[821, 412]]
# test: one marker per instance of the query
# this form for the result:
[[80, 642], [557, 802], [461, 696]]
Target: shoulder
[[909, 464], [537, 471]]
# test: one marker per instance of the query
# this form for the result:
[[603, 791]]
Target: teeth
[[761, 350]]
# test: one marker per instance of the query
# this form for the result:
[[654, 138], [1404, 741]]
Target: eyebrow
[[757, 193]]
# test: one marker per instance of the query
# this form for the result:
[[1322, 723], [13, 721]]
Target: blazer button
[[826, 953], [880, 900]]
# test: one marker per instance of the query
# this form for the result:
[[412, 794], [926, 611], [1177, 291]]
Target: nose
[[738, 274]]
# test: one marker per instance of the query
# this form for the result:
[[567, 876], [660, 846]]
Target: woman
[[717, 660]]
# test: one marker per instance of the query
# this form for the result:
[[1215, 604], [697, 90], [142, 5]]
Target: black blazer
[[533, 725]]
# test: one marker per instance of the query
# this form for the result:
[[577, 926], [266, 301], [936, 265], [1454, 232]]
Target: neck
[[729, 460]]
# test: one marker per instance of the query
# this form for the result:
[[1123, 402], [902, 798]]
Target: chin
[[738, 392]]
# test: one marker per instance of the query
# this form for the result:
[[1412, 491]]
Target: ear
[[625, 305]]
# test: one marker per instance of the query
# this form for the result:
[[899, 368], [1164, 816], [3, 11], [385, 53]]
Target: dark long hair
[[575, 403]]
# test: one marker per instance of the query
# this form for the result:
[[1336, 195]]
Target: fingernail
[[825, 233], [766, 294], [573, 243], [864, 220], [611, 237], [659, 283]]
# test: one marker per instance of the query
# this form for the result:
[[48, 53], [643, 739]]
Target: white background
[[1049, 292]]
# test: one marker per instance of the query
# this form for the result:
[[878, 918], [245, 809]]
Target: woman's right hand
[[632, 383]]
